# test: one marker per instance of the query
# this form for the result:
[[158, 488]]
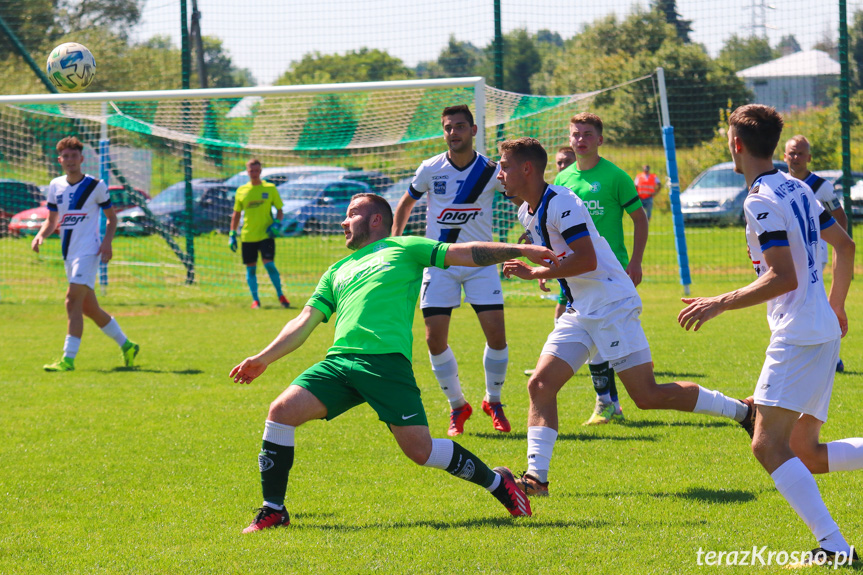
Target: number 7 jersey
[[782, 211], [460, 200]]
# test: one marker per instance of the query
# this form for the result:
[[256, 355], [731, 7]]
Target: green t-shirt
[[373, 293], [606, 191], [256, 202]]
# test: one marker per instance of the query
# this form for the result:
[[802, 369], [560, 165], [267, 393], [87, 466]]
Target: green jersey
[[606, 191], [257, 202], [374, 294]]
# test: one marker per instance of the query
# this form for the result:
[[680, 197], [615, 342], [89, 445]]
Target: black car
[[213, 205]]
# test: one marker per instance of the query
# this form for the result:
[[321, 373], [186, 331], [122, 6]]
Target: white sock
[[714, 403], [445, 369], [494, 483], [495, 362], [112, 330], [441, 454], [616, 403], [540, 444], [845, 454], [70, 346], [604, 398], [279, 433], [796, 484], [275, 506]]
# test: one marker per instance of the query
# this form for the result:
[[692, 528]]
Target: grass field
[[154, 469]]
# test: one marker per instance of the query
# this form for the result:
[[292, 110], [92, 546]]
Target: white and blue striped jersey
[[78, 207], [561, 218], [460, 200], [782, 211]]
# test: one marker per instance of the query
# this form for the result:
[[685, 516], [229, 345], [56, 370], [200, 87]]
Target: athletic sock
[[252, 280], [495, 362], [845, 454], [275, 462], [612, 387], [714, 403], [540, 444], [445, 369], [796, 484], [274, 277], [602, 376], [112, 329], [70, 346], [448, 455]]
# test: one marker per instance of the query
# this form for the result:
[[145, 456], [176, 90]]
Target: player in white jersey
[[783, 226], [461, 184], [601, 315], [74, 201], [797, 156]]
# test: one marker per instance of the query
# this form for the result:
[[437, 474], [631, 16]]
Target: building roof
[[805, 63]]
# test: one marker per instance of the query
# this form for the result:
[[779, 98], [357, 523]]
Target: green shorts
[[386, 382]]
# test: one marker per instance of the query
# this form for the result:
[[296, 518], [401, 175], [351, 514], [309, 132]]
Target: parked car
[[378, 181], [29, 221], [16, 197], [416, 225], [856, 191], [212, 209], [716, 196], [317, 205], [280, 175]]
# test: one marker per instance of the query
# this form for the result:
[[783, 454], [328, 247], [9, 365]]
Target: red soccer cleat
[[498, 419], [508, 493], [268, 517], [255, 304], [284, 301], [457, 417]]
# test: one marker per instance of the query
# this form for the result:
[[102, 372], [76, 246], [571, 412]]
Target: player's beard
[[359, 236]]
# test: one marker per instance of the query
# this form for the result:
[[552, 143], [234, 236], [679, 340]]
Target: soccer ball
[[71, 67]]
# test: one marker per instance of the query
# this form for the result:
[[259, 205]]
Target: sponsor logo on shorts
[[406, 417], [72, 219], [615, 343], [458, 216]]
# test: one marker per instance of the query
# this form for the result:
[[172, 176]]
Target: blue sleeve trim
[[414, 194], [105, 205], [52, 207], [575, 232]]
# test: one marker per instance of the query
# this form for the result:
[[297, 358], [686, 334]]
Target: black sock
[[275, 462], [603, 377], [468, 466]]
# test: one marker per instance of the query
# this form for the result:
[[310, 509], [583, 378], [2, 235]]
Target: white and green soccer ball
[[71, 67]]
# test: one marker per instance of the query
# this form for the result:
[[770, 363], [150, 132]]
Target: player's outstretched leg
[[448, 455]]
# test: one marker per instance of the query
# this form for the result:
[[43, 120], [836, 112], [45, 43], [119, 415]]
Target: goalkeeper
[[256, 199]]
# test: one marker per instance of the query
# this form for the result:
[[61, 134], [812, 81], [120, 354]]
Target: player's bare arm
[[582, 260], [293, 335], [46, 230], [235, 221], [780, 278], [402, 213], [843, 270], [105, 250], [478, 254], [639, 243]]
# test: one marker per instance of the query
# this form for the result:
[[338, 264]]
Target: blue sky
[[266, 35]]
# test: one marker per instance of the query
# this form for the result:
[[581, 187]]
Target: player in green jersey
[[373, 293], [256, 200], [608, 192]]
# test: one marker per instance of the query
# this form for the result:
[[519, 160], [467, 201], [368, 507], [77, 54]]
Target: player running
[[608, 192], [784, 223], [74, 201], [256, 200], [370, 359], [461, 185], [601, 316]]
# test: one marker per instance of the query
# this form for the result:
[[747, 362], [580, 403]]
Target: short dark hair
[[588, 118], [460, 109], [70, 142], [526, 150], [758, 127], [566, 150], [379, 206], [253, 162]]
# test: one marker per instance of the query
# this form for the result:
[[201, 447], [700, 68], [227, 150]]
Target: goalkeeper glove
[[232, 240], [273, 230]]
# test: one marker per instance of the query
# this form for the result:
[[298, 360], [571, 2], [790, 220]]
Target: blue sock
[[252, 280], [274, 277]]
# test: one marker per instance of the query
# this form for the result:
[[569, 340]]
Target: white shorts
[[613, 332], [83, 269], [442, 288], [798, 377]]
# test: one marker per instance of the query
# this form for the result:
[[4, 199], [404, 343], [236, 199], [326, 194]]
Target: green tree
[[521, 60], [788, 45], [855, 48], [740, 53], [34, 22], [363, 65], [668, 8], [221, 70]]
